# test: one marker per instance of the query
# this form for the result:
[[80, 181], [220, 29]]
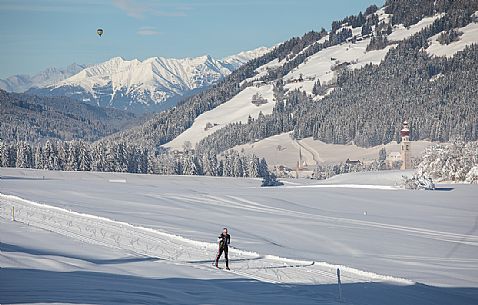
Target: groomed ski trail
[[174, 249]]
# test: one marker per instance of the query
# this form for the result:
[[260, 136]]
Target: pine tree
[[237, 166], [253, 169], [24, 157], [270, 179], [50, 153], [84, 157]]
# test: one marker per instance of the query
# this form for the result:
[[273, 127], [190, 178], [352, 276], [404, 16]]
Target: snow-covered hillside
[[153, 84], [468, 35], [97, 237], [322, 66], [21, 83], [238, 109]]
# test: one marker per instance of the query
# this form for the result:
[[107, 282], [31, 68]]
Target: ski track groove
[[173, 249], [242, 203]]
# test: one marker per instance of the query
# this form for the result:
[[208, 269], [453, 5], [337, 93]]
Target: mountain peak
[[49, 76], [155, 83], [241, 58]]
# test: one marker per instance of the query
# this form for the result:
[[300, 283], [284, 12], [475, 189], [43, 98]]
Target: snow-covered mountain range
[[22, 82], [153, 84]]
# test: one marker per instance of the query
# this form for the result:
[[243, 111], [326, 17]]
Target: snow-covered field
[[83, 238], [282, 149]]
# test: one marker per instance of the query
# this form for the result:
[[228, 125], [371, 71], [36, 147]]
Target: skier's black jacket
[[224, 240]]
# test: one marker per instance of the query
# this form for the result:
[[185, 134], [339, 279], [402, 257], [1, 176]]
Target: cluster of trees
[[319, 88], [121, 157], [377, 42], [449, 36], [409, 12], [367, 27], [31, 118], [75, 156], [359, 20], [228, 164], [294, 46], [457, 162], [338, 37], [330, 170]]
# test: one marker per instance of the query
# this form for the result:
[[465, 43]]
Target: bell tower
[[405, 147]]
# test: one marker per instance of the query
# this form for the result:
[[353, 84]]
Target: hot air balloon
[[99, 32]]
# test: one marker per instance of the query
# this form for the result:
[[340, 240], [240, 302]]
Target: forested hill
[[407, 71], [33, 119], [167, 125]]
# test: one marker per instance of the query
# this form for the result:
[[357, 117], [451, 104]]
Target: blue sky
[[36, 34]]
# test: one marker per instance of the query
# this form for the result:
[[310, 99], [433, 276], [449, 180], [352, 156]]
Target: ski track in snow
[[244, 204], [174, 249]]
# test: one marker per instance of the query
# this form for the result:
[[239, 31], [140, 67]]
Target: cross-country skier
[[224, 240]]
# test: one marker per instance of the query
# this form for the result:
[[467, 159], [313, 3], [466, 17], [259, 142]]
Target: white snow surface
[[470, 36], [79, 238], [400, 32], [237, 109]]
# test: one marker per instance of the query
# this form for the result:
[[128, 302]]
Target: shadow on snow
[[14, 248], [40, 286]]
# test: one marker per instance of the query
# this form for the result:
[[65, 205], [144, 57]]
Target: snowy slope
[[152, 84], [284, 150], [151, 234], [469, 36], [45, 267], [320, 65], [21, 83], [238, 109]]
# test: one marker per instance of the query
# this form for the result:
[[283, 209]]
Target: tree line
[[122, 157]]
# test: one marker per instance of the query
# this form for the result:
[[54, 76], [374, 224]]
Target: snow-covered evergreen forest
[[34, 119], [122, 157]]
